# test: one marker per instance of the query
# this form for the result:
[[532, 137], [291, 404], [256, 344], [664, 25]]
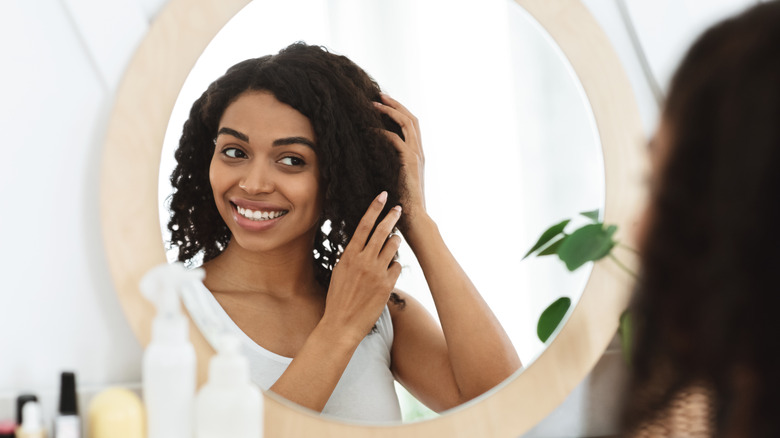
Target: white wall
[[61, 63], [62, 60]]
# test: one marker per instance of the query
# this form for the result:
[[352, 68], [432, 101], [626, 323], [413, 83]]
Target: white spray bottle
[[169, 360], [229, 404]]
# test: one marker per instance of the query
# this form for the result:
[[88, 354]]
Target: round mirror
[[506, 124], [492, 104]]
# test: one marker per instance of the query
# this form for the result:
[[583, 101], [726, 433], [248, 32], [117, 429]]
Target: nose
[[257, 180]]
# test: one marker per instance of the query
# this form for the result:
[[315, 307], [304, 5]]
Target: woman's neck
[[284, 273]]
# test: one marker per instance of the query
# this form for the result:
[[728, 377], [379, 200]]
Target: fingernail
[[382, 197], [397, 208], [377, 103]]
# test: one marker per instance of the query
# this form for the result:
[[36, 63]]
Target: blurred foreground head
[[707, 309]]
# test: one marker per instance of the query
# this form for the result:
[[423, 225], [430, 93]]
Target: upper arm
[[420, 361]]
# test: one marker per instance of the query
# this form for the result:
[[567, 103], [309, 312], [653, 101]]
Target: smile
[[260, 215]]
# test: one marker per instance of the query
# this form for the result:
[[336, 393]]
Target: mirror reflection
[[509, 144]]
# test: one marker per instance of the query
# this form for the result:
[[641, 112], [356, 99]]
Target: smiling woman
[[182, 31]]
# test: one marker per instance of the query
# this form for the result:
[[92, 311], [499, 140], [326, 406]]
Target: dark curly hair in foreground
[[706, 309], [357, 161]]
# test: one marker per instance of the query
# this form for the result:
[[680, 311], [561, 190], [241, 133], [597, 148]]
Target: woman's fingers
[[410, 151], [367, 222], [408, 124], [378, 239], [389, 249], [394, 271], [399, 144], [398, 106], [366, 274]]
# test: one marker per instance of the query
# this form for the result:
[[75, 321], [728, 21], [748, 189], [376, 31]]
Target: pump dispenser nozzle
[[229, 404], [162, 286], [229, 366]]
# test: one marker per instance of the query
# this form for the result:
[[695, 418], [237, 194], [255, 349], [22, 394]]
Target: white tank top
[[366, 390]]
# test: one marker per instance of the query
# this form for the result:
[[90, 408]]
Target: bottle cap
[[68, 403], [162, 285], [33, 418], [20, 401]]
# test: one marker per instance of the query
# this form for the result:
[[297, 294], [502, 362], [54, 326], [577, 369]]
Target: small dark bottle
[[68, 424]]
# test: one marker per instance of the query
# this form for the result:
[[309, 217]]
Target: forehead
[[259, 114]]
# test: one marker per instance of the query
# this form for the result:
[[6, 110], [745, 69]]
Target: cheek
[[216, 180], [213, 178], [640, 231], [309, 190]]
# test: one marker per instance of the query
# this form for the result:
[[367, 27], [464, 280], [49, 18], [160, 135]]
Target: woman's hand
[[365, 275], [411, 152]]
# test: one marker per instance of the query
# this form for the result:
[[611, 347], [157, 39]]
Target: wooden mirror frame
[[132, 236]]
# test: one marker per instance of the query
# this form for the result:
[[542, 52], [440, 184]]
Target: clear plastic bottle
[[229, 404], [168, 372]]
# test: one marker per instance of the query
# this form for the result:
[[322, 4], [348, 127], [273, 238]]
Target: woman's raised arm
[[471, 353]]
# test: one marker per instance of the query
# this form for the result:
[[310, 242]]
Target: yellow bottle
[[116, 413]]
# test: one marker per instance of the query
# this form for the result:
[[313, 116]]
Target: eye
[[233, 153], [292, 161]]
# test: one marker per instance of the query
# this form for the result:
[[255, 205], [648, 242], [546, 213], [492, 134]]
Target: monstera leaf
[[588, 243], [551, 318]]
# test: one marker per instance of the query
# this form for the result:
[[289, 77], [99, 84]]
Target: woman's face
[[264, 174]]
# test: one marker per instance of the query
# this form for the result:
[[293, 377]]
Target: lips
[[256, 216]]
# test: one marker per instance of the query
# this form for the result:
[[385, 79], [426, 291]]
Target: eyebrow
[[239, 135], [293, 140], [278, 142]]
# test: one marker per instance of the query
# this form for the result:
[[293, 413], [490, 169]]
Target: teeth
[[260, 215]]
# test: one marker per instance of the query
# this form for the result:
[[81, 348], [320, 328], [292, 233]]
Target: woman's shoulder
[[406, 311], [398, 301]]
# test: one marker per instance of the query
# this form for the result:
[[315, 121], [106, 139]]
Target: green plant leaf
[[547, 236], [626, 331], [592, 215], [587, 244], [552, 317], [552, 248]]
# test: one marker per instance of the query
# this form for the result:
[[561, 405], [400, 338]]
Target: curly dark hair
[[707, 301], [357, 161]]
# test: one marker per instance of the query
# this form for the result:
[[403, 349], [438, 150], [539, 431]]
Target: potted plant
[[588, 243]]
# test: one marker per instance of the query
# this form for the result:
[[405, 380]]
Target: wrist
[[338, 332], [420, 227]]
